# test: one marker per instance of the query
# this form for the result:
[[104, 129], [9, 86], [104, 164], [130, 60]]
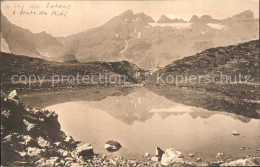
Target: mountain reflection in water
[[141, 117]]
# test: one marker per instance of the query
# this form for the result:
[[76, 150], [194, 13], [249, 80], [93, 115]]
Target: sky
[[83, 15]]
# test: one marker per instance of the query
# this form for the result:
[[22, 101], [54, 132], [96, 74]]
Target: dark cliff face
[[31, 136]]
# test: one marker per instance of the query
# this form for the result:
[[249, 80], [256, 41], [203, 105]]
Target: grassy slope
[[23, 65], [230, 60]]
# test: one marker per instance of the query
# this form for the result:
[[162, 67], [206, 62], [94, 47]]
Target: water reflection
[[142, 119], [140, 104]]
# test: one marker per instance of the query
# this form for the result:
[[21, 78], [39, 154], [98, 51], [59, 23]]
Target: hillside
[[22, 41], [24, 65], [230, 61]]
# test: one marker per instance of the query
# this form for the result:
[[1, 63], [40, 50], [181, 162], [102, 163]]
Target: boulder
[[159, 152], [220, 155], [242, 162], [198, 159], [235, 133], [33, 151], [146, 155], [52, 161], [42, 142], [171, 156], [155, 159], [85, 151], [191, 155], [29, 126], [13, 95], [112, 146]]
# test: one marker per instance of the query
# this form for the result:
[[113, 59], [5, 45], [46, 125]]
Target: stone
[[22, 154], [104, 156], [242, 148], [159, 152], [42, 142], [69, 139], [155, 159], [69, 159], [65, 154], [41, 162], [28, 140], [219, 155], [235, 133], [112, 146], [85, 150], [242, 162], [198, 159], [29, 126], [13, 95], [6, 114], [52, 161], [191, 155], [146, 155], [57, 144], [111, 161], [171, 156], [33, 151]]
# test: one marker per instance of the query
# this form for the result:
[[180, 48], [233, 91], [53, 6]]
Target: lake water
[[141, 119]]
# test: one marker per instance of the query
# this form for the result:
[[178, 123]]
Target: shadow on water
[[209, 101]]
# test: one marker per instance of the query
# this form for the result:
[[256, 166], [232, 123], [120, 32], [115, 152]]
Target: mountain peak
[[165, 19], [206, 17], [202, 19], [248, 14], [127, 13], [194, 18]]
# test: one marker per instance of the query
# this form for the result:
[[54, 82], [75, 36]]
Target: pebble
[[198, 159], [191, 155], [146, 155]]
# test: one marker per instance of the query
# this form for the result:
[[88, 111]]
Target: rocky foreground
[[33, 137]]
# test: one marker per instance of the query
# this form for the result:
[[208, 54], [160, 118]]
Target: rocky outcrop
[[243, 162], [171, 156], [31, 136]]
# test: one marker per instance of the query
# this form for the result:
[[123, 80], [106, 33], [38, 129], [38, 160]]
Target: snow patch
[[139, 35], [43, 54], [4, 46], [126, 46], [139, 100], [173, 25], [216, 26]]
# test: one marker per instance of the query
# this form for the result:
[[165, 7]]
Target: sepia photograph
[[130, 83]]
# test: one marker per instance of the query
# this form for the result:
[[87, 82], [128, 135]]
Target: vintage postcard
[[130, 83]]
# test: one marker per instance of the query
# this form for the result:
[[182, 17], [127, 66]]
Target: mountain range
[[134, 37]]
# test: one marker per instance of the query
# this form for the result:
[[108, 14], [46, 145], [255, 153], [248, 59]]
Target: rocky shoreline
[[33, 137]]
